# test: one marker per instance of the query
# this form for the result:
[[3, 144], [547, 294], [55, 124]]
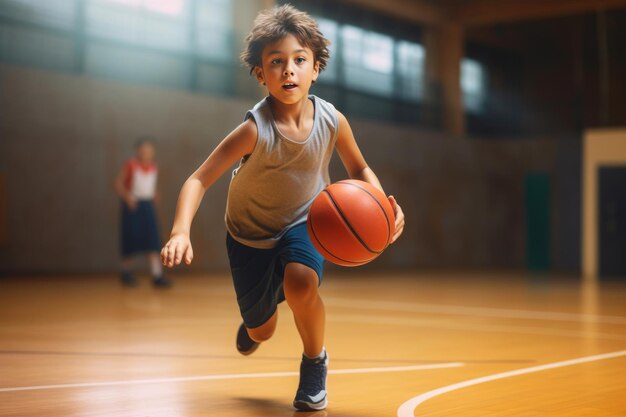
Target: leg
[[126, 277], [156, 269], [125, 264], [300, 285], [249, 339], [128, 245], [253, 272], [301, 291], [264, 331]]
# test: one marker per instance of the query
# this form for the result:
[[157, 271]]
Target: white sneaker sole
[[306, 406]]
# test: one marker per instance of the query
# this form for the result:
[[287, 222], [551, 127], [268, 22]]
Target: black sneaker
[[161, 282], [245, 345], [128, 280], [311, 394]]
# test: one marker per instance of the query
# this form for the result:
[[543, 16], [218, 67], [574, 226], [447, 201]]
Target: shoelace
[[312, 372]]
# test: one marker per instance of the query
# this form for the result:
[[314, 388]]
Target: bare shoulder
[[246, 129], [244, 136], [341, 118], [344, 129]]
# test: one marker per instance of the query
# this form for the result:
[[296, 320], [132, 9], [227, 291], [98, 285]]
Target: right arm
[[121, 190], [237, 144]]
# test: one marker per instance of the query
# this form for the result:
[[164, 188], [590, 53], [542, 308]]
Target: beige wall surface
[[601, 147], [63, 138]]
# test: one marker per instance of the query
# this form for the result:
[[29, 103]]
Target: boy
[[136, 186], [284, 148]]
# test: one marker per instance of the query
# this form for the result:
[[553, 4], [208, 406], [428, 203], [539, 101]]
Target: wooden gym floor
[[425, 344]]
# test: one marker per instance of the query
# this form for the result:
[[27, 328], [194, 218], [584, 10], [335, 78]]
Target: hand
[[397, 211], [131, 202], [177, 249]]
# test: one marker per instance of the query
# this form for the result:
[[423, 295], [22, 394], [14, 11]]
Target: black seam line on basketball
[[377, 202], [332, 200], [324, 247]]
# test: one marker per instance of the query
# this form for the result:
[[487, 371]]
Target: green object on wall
[[537, 189]]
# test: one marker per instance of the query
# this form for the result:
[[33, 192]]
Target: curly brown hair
[[274, 24]]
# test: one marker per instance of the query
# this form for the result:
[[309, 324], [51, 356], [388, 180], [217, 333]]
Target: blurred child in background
[[136, 184]]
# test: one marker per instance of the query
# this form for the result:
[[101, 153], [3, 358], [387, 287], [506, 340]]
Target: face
[[287, 69], [145, 152]]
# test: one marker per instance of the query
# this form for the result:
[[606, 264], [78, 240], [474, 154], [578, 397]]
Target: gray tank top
[[272, 188]]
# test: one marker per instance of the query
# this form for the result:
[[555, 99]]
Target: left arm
[[357, 168]]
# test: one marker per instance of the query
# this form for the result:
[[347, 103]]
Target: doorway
[[612, 221]]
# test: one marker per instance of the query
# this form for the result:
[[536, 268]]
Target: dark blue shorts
[[140, 231], [258, 273]]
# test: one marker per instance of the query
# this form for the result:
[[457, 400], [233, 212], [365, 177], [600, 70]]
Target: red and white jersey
[[140, 179]]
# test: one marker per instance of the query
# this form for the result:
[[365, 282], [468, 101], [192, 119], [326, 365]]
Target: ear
[[258, 74], [316, 70]]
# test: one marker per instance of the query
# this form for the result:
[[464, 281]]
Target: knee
[[300, 283], [260, 335], [263, 332]]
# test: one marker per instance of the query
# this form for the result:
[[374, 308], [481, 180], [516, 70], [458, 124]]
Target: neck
[[295, 112]]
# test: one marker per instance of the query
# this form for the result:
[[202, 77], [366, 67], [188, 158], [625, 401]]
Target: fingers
[[163, 255], [169, 253], [394, 204], [397, 233], [189, 255], [178, 253], [175, 251], [131, 204], [168, 256], [399, 214]]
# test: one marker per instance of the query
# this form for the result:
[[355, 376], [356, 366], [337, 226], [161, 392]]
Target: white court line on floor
[[442, 324], [233, 376], [408, 408], [472, 311]]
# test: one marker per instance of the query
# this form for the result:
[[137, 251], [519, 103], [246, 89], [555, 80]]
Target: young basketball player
[[136, 186], [283, 148]]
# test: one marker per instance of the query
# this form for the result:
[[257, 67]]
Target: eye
[[300, 60], [276, 61]]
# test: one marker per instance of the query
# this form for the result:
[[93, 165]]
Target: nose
[[288, 71]]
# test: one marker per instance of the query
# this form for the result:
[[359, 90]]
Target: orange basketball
[[351, 222]]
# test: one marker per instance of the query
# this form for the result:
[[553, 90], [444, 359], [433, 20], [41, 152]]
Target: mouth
[[289, 86]]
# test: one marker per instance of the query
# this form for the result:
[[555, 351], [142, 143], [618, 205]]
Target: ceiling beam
[[482, 12]]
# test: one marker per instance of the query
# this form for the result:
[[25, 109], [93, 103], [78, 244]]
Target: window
[[367, 60], [410, 61], [372, 62], [171, 7], [37, 33], [166, 25], [148, 23], [37, 48], [59, 14], [105, 60], [213, 22], [473, 85], [329, 28]]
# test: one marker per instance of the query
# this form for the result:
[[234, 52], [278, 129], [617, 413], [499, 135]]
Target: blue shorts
[[140, 231], [258, 273]]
